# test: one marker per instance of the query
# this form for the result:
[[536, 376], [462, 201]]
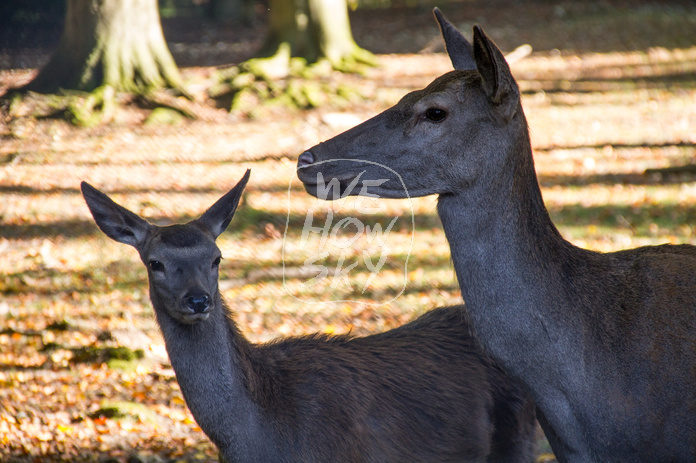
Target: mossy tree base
[[81, 108], [110, 50], [251, 93], [110, 43], [261, 84], [307, 40]]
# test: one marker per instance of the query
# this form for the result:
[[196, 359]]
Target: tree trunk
[[332, 29], [313, 29], [117, 43]]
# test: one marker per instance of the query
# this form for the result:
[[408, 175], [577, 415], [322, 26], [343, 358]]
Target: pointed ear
[[498, 82], [459, 49], [117, 222], [218, 217]]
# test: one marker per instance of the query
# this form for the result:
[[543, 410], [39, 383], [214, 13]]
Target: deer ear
[[498, 82], [458, 48], [117, 222], [218, 217]]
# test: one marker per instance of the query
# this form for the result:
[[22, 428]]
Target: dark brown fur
[[605, 343], [423, 392]]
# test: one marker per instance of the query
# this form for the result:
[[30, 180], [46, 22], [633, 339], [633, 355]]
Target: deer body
[[605, 343], [608, 355], [422, 392]]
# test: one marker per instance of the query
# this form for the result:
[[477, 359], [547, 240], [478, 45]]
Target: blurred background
[[609, 88]]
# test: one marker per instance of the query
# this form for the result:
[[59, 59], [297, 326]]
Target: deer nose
[[199, 303], [305, 159]]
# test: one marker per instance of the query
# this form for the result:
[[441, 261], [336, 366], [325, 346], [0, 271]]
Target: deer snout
[[305, 159], [198, 303]]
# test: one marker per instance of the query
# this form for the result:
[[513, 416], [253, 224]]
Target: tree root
[[89, 109], [86, 109], [185, 106], [81, 108], [94, 108], [355, 61]]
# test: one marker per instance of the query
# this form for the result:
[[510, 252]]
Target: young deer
[[606, 343], [422, 392]]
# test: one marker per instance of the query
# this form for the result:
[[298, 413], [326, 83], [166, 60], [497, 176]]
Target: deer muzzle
[[198, 303]]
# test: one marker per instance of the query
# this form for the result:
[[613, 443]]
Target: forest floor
[[610, 94]]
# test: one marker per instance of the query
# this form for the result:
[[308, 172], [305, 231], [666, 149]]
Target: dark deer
[[422, 392], [606, 343]]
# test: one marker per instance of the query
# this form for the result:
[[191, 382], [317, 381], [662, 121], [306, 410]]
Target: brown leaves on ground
[[614, 136]]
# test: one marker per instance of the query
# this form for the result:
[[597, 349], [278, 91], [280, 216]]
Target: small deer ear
[[117, 222], [498, 82], [218, 217], [459, 49]]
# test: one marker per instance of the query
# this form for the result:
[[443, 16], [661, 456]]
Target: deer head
[[439, 139], [182, 260]]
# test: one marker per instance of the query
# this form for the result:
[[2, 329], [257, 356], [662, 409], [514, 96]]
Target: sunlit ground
[[614, 136]]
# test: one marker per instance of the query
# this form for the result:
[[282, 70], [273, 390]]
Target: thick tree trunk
[[300, 32], [332, 28], [117, 43], [312, 29]]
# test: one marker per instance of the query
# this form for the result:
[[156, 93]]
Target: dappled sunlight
[[614, 135]]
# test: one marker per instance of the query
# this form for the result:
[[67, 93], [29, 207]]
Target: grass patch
[[106, 354], [120, 410]]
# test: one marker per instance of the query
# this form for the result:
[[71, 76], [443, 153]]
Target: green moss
[[91, 109], [259, 85], [122, 410], [244, 100], [96, 354], [126, 366], [164, 116]]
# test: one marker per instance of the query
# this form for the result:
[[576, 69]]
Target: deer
[[604, 342], [421, 392]]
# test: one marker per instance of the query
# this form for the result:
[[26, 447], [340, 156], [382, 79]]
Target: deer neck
[[506, 253], [212, 362]]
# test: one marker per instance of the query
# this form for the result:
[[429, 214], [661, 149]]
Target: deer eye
[[156, 265], [436, 114], [216, 262]]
